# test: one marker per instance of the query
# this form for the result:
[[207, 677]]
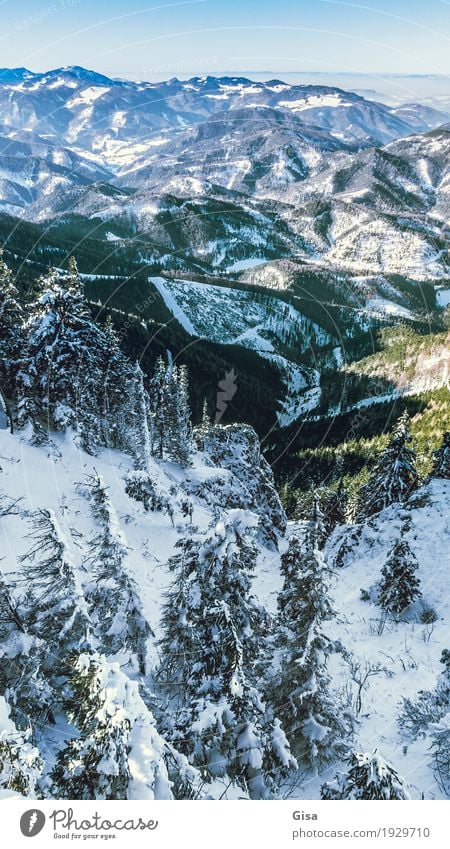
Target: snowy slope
[[409, 651]]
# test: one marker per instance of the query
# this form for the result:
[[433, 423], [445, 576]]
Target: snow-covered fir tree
[[10, 619], [202, 429], [158, 396], [20, 762], [68, 362], [177, 415], [59, 336], [171, 418], [89, 423], [11, 339], [399, 585], [115, 369], [334, 506], [416, 715], [54, 608], [138, 419], [368, 776], [119, 753], [212, 637], [394, 477], [441, 459], [113, 596], [440, 748], [23, 678], [317, 725]]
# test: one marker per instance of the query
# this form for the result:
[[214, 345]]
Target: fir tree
[[115, 370], [202, 430], [430, 705], [399, 585], [54, 609], [21, 659], [68, 363], [394, 477], [59, 336], [87, 414], [369, 776], [178, 426], [11, 321], [158, 395], [119, 754], [440, 747], [10, 619], [334, 507], [113, 596], [20, 762], [139, 420], [171, 421], [212, 636], [316, 724], [441, 459]]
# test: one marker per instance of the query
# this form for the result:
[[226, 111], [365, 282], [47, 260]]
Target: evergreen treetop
[[394, 477], [441, 459], [368, 776], [399, 585]]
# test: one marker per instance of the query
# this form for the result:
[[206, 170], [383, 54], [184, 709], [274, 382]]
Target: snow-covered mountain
[[32, 167], [250, 150], [222, 170], [75, 105]]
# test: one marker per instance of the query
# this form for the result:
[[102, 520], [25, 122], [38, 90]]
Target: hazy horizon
[[169, 38]]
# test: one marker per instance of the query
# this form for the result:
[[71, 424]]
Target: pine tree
[[115, 606], [11, 320], [178, 428], [441, 459], [54, 609], [89, 423], [430, 705], [316, 724], [139, 419], [20, 762], [394, 477], [115, 370], [119, 754], [369, 776], [440, 747], [10, 619], [212, 636], [158, 395], [201, 431], [58, 338], [334, 507], [70, 365], [315, 532], [399, 585], [21, 660]]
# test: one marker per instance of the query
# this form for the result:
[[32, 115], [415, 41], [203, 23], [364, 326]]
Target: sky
[[161, 39]]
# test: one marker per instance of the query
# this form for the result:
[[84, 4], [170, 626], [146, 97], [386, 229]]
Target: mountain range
[[264, 201]]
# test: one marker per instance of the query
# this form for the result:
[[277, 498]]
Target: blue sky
[[160, 39]]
